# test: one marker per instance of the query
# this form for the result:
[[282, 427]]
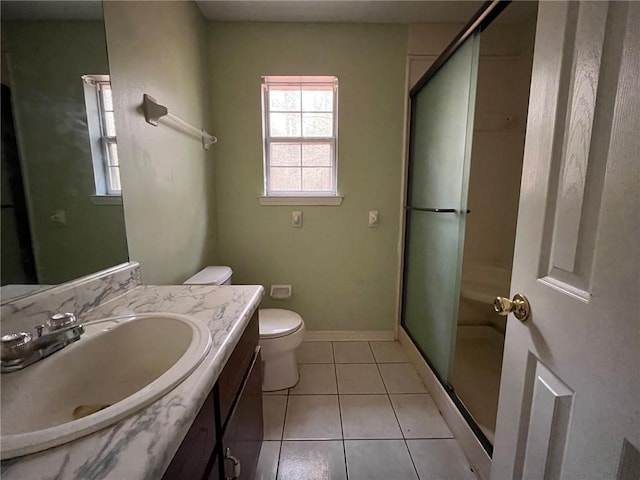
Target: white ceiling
[[358, 11], [376, 11], [352, 11]]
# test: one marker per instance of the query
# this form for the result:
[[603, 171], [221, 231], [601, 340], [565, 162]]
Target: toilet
[[281, 332]]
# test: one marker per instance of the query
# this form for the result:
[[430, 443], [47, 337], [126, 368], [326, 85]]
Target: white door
[[570, 392]]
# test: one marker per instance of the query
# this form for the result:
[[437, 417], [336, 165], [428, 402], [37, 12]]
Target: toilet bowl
[[281, 332]]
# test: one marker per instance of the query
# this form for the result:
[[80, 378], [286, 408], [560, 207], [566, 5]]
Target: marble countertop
[[142, 445]]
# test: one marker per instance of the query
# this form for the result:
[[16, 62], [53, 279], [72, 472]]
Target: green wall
[[344, 274], [47, 60], [159, 48]]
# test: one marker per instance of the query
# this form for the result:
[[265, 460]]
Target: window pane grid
[[314, 179], [308, 167], [114, 180], [112, 157], [302, 125], [301, 167], [300, 137], [274, 167], [109, 139], [308, 154], [300, 111]]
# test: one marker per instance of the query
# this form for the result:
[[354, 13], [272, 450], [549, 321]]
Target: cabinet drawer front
[[233, 373]]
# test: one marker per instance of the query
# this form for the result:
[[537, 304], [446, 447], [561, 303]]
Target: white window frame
[[303, 197], [100, 141]]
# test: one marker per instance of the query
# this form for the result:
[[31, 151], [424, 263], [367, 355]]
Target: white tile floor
[[360, 411]]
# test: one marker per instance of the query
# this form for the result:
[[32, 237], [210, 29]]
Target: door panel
[[569, 400], [440, 151], [548, 406], [571, 218], [441, 132], [429, 313]]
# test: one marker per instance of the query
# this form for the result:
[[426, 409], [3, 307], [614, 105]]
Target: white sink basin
[[123, 362]]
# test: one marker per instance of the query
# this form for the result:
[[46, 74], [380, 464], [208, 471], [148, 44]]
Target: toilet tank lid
[[277, 322], [210, 276]]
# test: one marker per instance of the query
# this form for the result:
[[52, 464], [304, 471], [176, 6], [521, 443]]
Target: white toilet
[[281, 332]]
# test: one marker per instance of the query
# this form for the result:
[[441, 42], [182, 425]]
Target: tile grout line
[[386, 392], [344, 446], [404, 439], [284, 421], [375, 361]]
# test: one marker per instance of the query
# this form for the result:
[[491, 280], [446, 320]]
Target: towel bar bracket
[[153, 111]]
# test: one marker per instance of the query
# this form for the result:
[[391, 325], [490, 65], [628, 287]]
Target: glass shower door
[[440, 151]]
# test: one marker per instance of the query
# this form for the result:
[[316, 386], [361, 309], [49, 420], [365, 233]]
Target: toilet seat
[[277, 322]]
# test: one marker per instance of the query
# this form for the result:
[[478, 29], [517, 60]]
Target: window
[[300, 123], [102, 134]]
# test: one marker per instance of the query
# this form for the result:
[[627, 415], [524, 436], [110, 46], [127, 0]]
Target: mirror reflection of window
[[76, 223], [102, 133]]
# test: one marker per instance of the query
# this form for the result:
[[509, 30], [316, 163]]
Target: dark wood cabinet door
[[234, 372], [243, 436], [197, 449]]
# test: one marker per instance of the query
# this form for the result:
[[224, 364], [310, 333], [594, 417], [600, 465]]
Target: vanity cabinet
[[242, 436], [228, 428], [198, 447]]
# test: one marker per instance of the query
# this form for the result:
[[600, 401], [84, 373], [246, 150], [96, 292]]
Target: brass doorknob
[[519, 306]]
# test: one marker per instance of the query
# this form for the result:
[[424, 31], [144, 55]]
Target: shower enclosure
[[468, 115]]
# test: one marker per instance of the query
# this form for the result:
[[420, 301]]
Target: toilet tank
[[217, 275]]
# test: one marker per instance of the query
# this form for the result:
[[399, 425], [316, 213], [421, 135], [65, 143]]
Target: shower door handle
[[437, 210], [519, 306]]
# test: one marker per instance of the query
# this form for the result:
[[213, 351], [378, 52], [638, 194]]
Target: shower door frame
[[487, 13]]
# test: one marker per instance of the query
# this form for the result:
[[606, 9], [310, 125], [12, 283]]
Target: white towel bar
[[154, 111]]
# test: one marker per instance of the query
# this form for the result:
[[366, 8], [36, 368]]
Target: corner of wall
[[167, 177]]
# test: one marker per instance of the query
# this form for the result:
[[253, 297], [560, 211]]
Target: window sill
[[329, 200], [106, 199]]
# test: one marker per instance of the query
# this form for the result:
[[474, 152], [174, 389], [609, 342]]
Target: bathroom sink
[[120, 365]]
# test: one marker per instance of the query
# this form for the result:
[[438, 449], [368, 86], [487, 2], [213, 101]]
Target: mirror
[[62, 214]]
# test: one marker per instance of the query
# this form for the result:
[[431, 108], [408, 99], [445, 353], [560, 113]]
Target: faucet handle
[[61, 320], [16, 345]]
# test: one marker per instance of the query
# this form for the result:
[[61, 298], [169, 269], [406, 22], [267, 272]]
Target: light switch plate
[[59, 217], [296, 218], [373, 218]]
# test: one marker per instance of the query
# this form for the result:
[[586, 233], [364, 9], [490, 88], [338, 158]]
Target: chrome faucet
[[21, 349]]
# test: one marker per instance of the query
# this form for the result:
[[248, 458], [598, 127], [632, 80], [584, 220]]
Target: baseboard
[[477, 456], [348, 335]]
